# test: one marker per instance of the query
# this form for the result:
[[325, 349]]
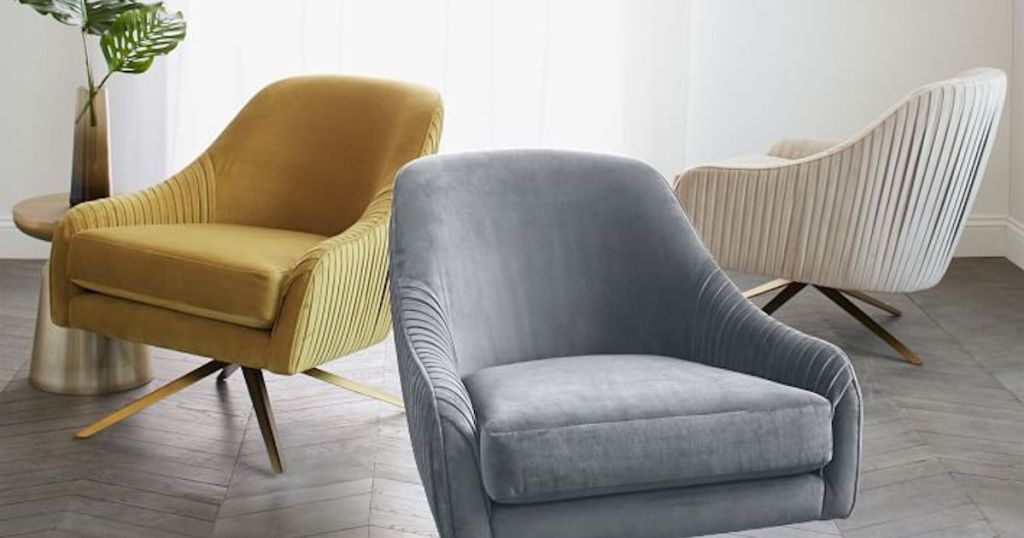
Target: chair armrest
[[798, 148], [187, 197], [744, 211], [335, 298], [442, 422], [732, 333], [791, 219]]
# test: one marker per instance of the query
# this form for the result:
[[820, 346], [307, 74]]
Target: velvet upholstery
[[209, 270], [498, 258], [667, 513], [573, 427], [163, 327], [307, 157]]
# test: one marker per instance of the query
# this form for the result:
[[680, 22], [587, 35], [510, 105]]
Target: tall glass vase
[[90, 166]]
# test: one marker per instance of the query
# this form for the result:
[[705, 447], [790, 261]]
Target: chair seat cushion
[[224, 272], [574, 427]]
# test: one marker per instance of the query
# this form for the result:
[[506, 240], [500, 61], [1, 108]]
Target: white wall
[[41, 66], [138, 128], [759, 70], [1015, 214], [599, 75], [763, 70]]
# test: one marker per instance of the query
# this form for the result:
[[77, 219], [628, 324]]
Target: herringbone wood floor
[[944, 444]]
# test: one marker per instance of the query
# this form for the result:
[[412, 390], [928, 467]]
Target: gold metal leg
[[261, 404], [877, 303], [365, 390], [765, 288], [783, 297], [874, 327], [226, 372], [150, 399]]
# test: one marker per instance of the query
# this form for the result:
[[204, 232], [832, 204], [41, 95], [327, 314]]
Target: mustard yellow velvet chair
[[269, 252]]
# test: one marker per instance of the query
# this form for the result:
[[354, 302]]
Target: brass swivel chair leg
[[790, 289], [264, 416], [354, 386], [874, 301], [871, 324], [257, 393], [177, 385], [765, 288], [783, 297]]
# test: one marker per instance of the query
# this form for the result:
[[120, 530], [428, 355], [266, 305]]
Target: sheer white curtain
[[601, 75]]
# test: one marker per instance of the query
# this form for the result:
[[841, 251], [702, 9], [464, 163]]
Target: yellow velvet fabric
[[226, 272], [315, 155], [167, 328]]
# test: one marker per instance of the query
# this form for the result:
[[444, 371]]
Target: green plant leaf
[[94, 16], [139, 35], [101, 14], [65, 11]]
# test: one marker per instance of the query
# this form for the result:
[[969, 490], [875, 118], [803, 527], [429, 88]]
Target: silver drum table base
[[73, 361]]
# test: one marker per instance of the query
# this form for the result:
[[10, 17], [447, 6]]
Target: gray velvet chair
[[574, 364]]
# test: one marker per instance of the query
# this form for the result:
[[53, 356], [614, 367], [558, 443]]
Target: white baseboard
[[993, 236], [14, 244], [984, 236], [1015, 241]]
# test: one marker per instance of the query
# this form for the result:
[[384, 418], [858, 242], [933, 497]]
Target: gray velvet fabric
[[509, 256], [574, 427], [670, 513]]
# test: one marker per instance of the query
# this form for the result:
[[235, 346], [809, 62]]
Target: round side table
[[73, 361]]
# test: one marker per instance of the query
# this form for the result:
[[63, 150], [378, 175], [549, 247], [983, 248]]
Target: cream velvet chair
[[880, 212], [269, 252]]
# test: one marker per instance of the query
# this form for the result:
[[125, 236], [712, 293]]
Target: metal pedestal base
[[837, 296], [73, 361]]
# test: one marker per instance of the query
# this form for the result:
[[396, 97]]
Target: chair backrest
[[904, 186], [926, 158], [310, 153], [536, 254]]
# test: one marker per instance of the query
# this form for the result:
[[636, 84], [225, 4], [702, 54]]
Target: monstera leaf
[[65, 11], [93, 16], [101, 14], [137, 36]]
